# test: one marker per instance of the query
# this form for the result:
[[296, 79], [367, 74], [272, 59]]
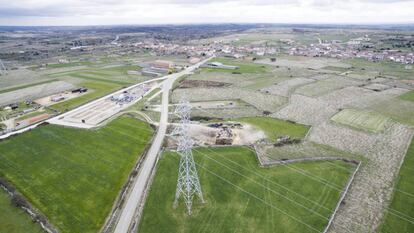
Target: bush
[[19, 201], [6, 184], [204, 118], [266, 113]]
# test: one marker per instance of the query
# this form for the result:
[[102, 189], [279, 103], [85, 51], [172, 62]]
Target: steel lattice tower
[[188, 183]]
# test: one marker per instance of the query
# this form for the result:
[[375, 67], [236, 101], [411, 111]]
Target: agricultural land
[[287, 128], [73, 175]]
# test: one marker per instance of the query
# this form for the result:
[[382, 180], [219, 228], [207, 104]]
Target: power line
[[389, 210], [271, 181], [269, 189], [258, 198], [385, 208], [313, 177]]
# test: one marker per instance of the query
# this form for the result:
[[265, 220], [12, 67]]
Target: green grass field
[[71, 175], [98, 89], [244, 67], [275, 128], [386, 68], [361, 119], [13, 219], [114, 74], [241, 197], [403, 199], [408, 96]]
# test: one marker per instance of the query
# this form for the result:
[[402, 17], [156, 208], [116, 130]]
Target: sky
[[141, 12]]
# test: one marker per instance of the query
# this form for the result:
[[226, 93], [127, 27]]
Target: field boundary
[[126, 188], [27, 207], [262, 163], [140, 209], [396, 180], [338, 205], [288, 161]]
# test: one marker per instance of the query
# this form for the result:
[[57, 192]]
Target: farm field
[[303, 150], [386, 68], [70, 64], [238, 109], [97, 88], [409, 96], [397, 109], [325, 86], [13, 219], [115, 75], [34, 92], [261, 101], [73, 176], [241, 197], [361, 119], [304, 62], [244, 67], [403, 199], [275, 128], [21, 78], [286, 87], [25, 86]]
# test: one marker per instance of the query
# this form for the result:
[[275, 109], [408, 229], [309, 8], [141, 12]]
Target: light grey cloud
[[80, 12]]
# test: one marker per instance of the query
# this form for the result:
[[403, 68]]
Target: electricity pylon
[[188, 183]]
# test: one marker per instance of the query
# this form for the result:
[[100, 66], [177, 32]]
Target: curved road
[[140, 184]]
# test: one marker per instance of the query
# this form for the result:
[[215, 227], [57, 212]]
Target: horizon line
[[224, 23]]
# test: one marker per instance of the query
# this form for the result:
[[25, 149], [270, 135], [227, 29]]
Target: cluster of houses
[[351, 49], [208, 49]]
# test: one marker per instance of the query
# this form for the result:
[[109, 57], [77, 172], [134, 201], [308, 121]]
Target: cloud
[[79, 12]]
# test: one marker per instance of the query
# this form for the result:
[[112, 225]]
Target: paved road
[[58, 119], [141, 181], [61, 119]]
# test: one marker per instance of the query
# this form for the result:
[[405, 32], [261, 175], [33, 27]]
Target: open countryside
[[152, 117]]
